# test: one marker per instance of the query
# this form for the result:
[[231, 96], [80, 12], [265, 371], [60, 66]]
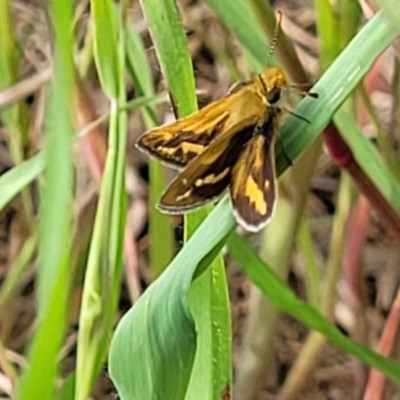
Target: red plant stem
[[356, 235], [376, 380], [355, 242], [343, 157], [94, 145]]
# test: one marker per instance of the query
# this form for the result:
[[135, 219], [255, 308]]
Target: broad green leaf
[[157, 337]]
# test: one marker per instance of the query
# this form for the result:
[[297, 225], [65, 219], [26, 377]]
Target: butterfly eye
[[274, 95]]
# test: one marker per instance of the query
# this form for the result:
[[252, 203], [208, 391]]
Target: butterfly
[[227, 145]]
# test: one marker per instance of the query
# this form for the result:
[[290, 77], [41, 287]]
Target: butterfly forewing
[[178, 143], [208, 176], [253, 186]]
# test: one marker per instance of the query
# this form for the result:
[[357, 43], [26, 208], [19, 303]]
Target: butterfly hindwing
[[253, 186]]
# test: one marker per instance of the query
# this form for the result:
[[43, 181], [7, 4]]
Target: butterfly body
[[227, 144]]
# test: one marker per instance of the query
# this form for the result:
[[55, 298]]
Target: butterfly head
[[273, 80]]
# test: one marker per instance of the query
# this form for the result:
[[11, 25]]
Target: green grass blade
[[55, 235], [171, 47], [390, 9], [283, 297], [17, 270], [105, 45], [162, 246], [333, 88], [207, 293], [136, 62], [209, 305], [13, 117], [328, 32], [369, 159], [242, 23], [17, 178], [103, 274]]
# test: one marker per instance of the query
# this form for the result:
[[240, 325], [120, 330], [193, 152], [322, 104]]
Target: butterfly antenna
[[275, 35]]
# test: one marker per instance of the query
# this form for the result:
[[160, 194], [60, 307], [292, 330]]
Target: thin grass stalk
[[102, 280]]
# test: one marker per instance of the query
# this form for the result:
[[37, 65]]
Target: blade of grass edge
[[368, 158], [283, 297]]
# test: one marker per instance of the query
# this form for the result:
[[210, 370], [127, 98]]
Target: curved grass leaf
[[153, 349], [171, 46], [284, 298]]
